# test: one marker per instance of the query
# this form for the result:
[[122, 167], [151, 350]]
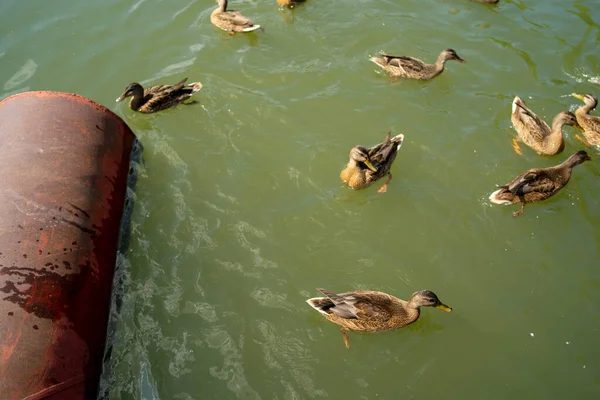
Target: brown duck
[[371, 311], [231, 21], [159, 97], [536, 133], [538, 183], [289, 3], [366, 166], [413, 68], [589, 123]]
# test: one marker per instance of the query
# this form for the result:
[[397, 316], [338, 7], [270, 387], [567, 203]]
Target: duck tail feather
[[398, 139], [517, 102], [251, 28], [342, 307], [321, 304], [195, 87], [379, 61], [498, 199]]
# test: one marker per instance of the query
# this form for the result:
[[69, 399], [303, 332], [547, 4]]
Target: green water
[[240, 214]]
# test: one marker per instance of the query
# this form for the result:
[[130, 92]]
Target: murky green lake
[[240, 214]]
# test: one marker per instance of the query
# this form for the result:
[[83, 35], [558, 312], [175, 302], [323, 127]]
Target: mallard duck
[[370, 311], [410, 67], [289, 3], [230, 20], [589, 123], [159, 97], [538, 183], [536, 133], [365, 166]]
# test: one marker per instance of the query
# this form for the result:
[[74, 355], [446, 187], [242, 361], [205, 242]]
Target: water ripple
[[25, 73], [284, 352], [232, 370]]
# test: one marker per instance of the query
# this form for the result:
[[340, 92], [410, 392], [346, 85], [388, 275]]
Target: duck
[[289, 3], [158, 97], [538, 184], [372, 311], [231, 21], [589, 123], [536, 133], [367, 165], [413, 68]]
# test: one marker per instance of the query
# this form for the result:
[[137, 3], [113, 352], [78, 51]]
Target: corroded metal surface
[[64, 163]]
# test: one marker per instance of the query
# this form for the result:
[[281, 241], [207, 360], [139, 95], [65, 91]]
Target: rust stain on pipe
[[63, 177]]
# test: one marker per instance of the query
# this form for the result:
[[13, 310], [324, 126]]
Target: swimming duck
[[538, 183], [158, 97], [536, 133], [289, 3], [366, 166], [230, 20], [413, 68], [371, 311], [589, 123]]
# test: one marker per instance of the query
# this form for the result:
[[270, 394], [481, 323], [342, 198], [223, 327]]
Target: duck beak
[[577, 96], [121, 98], [578, 127], [443, 307], [460, 60], [370, 166]]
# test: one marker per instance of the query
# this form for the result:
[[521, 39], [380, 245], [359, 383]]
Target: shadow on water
[[523, 54], [571, 58]]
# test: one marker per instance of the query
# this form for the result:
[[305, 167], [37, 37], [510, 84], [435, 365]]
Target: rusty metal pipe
[[64, 163]]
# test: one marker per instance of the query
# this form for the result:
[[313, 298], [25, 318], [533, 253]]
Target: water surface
[[240, 213]]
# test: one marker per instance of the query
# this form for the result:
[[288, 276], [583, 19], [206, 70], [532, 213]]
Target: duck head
[[361, 155], [133, 89], [426, 298]]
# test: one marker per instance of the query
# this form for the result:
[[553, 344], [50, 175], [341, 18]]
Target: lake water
[[240, 213]]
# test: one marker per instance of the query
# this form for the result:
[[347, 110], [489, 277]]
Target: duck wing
[[386, 151], [165, 89], [357, 305], [536, 127], [164, 96], [535, 180], [405, 62], [382, 151], [236, 18], [169, 90], [594, 122]]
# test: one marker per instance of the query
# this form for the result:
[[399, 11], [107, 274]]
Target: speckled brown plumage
[[536, 133], [372, 311], [413, 68], [289, 3], [538, 184], [589, 123], [230, 20], [367, 165], [160, 97]]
